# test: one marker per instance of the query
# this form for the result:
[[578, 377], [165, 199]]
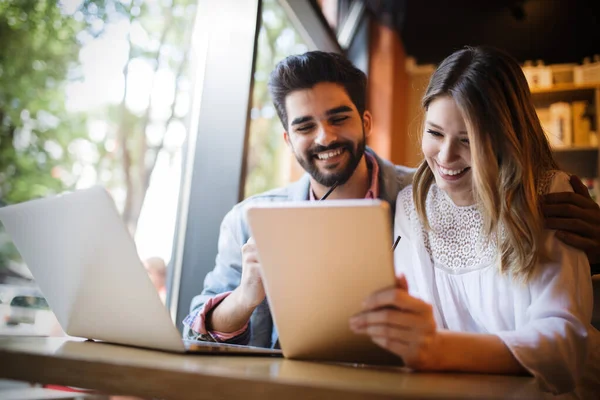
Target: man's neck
[[355, 188]]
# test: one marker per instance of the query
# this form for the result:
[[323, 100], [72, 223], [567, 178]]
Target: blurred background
[[106, 93]]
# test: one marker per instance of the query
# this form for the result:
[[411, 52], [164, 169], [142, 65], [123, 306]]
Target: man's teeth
[[329, 154], [452, 171]]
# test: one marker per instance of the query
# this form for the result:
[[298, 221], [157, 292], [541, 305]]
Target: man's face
[[326, 132]]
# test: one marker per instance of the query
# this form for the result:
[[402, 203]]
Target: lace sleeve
[[404, 212]]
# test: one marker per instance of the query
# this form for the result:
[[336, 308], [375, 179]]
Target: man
[[320, 99]]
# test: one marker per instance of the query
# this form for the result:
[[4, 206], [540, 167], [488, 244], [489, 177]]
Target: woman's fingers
[[396, 298], [390, 317]]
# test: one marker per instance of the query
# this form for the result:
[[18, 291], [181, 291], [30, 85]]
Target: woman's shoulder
[[405, 199], [554, 181], [405, 210], [407, 191]]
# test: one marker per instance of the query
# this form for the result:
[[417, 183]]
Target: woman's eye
[[434, 133], [465, 141]]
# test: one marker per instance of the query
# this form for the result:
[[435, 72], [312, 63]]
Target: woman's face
[[445, 145]]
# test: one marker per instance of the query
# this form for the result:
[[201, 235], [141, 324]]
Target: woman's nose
[[448, 152]]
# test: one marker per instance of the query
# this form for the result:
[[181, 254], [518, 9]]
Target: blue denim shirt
[[235, 232]]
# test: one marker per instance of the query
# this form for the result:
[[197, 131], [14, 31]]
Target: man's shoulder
[[388, 168], [277, 194], [235, 221], [290, 192], [393, 178], [403, 172]]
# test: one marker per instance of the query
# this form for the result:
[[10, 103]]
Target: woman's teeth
[[451, 171]]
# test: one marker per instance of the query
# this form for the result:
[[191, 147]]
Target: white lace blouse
[[545, 323]]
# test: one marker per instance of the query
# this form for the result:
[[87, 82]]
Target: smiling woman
[[482, 286], [446, 149]]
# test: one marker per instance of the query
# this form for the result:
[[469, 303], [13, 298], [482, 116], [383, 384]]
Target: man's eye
[[305, 128], [434, 133], [338, 120]]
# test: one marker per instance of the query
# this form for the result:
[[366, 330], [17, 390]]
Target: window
[[270, 163], [94, 92], [101, 93]]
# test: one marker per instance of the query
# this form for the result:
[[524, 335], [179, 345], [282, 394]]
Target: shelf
[[569, 93], [581, 161], [574, 149], [565, 87]]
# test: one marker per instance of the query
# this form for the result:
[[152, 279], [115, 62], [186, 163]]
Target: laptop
[[86, 265], [319, 261]]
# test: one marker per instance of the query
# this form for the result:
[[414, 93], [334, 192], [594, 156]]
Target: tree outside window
[[94, 92], [269, 160]]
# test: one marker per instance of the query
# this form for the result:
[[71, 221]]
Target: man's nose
[[325, 135]]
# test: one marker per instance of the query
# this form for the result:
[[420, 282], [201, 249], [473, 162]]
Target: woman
[[482, 286]]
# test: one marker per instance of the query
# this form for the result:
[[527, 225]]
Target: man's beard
[[308, 162]]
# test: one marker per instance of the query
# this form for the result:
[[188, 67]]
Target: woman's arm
[[405, 325], [476, 352], [550, 341]]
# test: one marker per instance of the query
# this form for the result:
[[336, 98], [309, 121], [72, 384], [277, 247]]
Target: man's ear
[[286, 137], [367, 122]]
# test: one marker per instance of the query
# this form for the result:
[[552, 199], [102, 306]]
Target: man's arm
[[221, 281], [234, 312], [576, 217], [232, 290]]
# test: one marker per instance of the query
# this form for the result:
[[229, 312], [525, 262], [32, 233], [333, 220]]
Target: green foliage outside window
[[47, 147], [268, 157]]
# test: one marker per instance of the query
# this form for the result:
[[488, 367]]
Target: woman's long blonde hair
[[509, 150]]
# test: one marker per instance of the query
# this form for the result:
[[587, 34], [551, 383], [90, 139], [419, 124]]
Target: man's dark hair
[[303, 71]]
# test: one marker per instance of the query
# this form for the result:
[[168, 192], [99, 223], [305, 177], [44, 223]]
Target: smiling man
[[320, 99], [328, 138]]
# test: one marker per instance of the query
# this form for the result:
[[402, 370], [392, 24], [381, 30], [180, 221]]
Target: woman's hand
[[401, 324]]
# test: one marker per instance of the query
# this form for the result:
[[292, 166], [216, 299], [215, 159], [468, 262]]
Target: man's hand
[[251, 287], [401, 324], [236, 309], [576, 217]]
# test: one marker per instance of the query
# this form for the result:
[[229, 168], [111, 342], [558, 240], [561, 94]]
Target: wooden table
[[154, 374]]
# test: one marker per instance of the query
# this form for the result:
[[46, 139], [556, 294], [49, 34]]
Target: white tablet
[[320, 260]]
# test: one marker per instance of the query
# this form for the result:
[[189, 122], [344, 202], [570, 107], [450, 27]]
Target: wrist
[[431, 358], [245, 301], [442, 356]]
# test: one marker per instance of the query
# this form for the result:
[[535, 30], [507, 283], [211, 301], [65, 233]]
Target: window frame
[[214, 154]]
